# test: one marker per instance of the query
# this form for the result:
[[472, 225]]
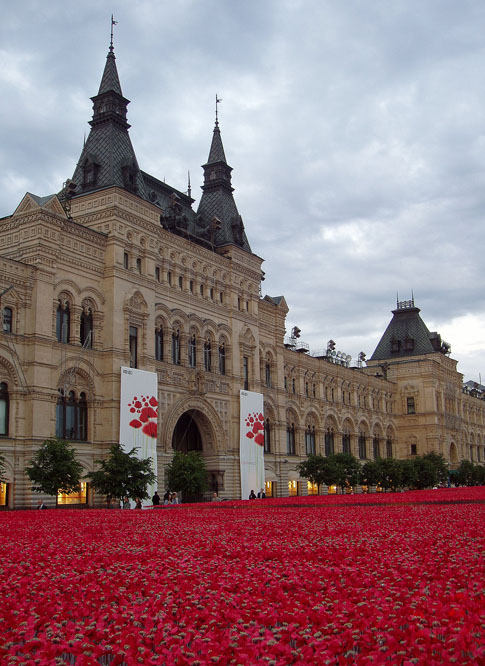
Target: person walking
[[156, 499]]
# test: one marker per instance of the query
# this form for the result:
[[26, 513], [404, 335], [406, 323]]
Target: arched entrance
[[186, 435], [453, 454]]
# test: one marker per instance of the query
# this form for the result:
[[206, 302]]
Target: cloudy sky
[[356, 131]]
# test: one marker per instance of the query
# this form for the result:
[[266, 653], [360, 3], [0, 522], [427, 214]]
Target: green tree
[[465, 475], [314, 468], [54, 469], [122, 475], [440, 466], [340, 469], [407, 470], [187, 474]]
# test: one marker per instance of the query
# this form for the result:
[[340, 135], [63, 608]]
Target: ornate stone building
[[119, 269]]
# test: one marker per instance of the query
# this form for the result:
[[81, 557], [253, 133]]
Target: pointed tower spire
[[217, 205], [108, 158]]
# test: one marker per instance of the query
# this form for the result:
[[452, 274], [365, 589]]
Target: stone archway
[[453, 454], [186, 434]]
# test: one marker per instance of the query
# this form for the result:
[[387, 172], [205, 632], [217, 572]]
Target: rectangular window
[[7, 320], [126, 260], [362, 447], [158, 345], [246, 372], [157, 274], [133, 347], [411, 407], [176, 348], [290, 440], [346, 443]]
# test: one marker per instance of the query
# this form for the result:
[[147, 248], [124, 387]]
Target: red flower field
[[391, 579]]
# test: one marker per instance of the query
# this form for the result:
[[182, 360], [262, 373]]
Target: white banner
[[139, 417], [251, 442]]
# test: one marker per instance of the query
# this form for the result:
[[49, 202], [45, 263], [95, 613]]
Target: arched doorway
[[186, 434], [453, 454]]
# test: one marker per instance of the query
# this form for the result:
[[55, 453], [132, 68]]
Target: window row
[[329, 443], [63, 325]]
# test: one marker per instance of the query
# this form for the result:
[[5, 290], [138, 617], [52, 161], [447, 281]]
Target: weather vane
[[218, 101], [113, 23]]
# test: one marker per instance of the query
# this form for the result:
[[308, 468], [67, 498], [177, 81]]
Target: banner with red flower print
[[251, 443], [139, 416]]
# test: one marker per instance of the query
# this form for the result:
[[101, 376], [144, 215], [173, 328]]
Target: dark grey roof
[[108, 160], [275, 300], [407, 335], [110, 80], [41, 200], [217, 206]]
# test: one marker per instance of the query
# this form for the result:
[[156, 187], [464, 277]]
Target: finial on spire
[[218, 101], [113, 23], [189, 188]]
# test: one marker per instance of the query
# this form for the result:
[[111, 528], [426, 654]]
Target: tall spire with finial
[[217, 205], [108, 158]]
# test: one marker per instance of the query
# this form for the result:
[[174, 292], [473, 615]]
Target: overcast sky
[[356, 131]]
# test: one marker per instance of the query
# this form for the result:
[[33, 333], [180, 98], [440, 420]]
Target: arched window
[[222, 359], [346, 442], [176, 347], [290, 439], [207, 356], [310, 440], [72, 416], [267, 370], [159, 344], [362, 446], [329, 442], [376, 448], [7, 320], [192, 351], [4, 408], [267, 436], [63, 322], [86, 329]]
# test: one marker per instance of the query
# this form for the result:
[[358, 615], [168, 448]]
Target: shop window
[[207, 356], [292, 488], [7, 320], [270, 488], [63, 322], [329, 442], [290, 440], [176, 348], [246, 372], [159, 344], [3, 494], [310, 440], [192, 351], [80, 497], [222, 359], [86, 329], [133, 342], [71, 416], [312, 488], [4, 409], [267, 436], [267, 372]]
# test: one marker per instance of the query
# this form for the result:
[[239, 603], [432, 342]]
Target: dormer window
[[395, 345], [408, 344], [90, 170]]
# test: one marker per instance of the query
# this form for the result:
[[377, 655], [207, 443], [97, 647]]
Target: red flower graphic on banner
[[146, 408], [255, 423]]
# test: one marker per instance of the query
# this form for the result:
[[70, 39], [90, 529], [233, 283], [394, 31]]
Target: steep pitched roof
[[217, 208], [108, 158], [408, 335]]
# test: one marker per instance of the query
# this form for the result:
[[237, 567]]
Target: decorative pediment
[[32, 202]]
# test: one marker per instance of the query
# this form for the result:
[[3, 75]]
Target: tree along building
[[119, 269]]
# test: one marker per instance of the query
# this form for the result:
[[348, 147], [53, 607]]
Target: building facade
[[119, 269]]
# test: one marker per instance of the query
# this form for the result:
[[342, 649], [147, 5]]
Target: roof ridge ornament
[[218, 101], [113, 23]]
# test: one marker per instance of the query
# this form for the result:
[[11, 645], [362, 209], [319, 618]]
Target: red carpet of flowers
[[391, 579]]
